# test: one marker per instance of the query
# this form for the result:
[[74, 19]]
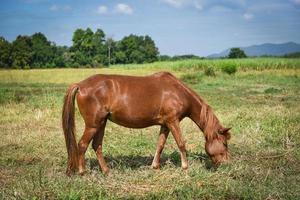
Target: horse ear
[[225, 132]]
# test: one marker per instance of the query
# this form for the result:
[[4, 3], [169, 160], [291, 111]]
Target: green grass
[[242, 64], [260, 104]]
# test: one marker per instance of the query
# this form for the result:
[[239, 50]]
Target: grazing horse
[[138, 102]]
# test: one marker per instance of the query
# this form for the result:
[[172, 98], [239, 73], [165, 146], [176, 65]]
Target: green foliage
[[92, 47], [88, 46], [136, 49], [164, 58], [120, 57], [236, 53], [209, 71], [192, 78], [42, 51], [272, 90], [5, 52], [21, 53], [89, 49], [229, 68], [180, 57], [292, 55], [31, 51]]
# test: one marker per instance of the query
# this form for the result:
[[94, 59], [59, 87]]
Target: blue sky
[[200, 27]]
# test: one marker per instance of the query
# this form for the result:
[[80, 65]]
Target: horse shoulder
[[175, 102]]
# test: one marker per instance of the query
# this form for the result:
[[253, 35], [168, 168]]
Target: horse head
[[217, 148]]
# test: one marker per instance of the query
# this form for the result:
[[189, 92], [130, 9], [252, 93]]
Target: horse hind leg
[[163, 135], [83, 144], [97, 146]]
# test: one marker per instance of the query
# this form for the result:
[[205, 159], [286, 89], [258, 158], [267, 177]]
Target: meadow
[[260, 102]]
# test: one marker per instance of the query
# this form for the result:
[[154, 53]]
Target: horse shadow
[[136, 161]]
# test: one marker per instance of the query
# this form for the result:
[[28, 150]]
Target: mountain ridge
[[270, 49]]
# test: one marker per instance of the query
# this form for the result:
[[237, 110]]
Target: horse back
[[132, 101]]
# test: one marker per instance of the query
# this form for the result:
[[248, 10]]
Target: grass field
[[260, 102]]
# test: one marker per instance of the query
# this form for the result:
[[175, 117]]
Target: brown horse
[[138, 102]]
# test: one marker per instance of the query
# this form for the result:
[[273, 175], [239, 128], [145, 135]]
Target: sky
[[199, 27]]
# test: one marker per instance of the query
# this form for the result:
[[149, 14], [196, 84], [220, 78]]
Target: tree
[[150, 50], [120, 57], [88, 49], [81, 45], [137, 49], [89, 46], [77, 39], [292, 55], [5, 53], [21, 52], [100, 56], [99, 42], [43, 52], [31, 51], [164, 58], [236, 53], [59, 56]]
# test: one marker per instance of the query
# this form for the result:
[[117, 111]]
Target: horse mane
[[209, 122]]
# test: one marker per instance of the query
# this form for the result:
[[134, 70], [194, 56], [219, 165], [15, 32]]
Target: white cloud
[[198, 5], [123, 9], [55, 7], [102, 10], [174, 3], [248, 16]]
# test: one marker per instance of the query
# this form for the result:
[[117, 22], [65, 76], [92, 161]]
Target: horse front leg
[[175, 129], [163, 135], [97, 146], [83, 145]]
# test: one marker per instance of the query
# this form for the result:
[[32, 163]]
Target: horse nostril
[[216, 161]]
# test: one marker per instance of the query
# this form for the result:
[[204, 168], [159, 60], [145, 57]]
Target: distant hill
[[264, 49]]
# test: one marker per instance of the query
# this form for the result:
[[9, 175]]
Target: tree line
[[89, 49], [178, 57]]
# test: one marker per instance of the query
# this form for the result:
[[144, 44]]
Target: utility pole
[[109, 42]]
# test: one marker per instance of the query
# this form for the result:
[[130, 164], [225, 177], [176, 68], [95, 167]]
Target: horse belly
[[135, 117]]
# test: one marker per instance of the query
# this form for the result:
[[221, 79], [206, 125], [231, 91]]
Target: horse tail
[[68, 124]]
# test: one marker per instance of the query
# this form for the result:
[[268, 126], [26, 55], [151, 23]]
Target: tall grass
[[242, 64]]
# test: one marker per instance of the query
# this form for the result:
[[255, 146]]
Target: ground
[[261, 106]]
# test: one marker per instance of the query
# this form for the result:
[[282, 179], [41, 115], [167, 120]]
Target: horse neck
[[204, 117]]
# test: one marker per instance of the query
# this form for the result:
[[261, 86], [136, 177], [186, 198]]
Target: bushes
[[192, 78], [229, 68], [209, 71]]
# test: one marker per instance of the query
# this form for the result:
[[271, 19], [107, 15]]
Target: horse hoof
[[155, 166], [82, 173], [70, 172], [185, 167], [106, 172]]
